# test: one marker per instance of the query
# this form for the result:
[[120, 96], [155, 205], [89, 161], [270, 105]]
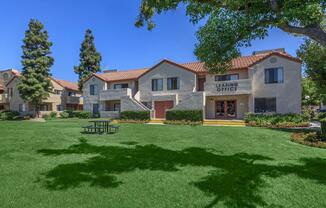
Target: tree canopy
[[90, 59], [233, 24], [35, 84]]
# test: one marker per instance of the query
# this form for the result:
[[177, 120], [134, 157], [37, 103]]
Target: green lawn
[[52, 165]]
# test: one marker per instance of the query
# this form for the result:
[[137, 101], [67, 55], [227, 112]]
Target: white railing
[[110, 114], [233, 87], [115, 94], [74, 100]]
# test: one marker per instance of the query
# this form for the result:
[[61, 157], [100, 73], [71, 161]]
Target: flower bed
[[312, 139], [277, 120], [182, 122]]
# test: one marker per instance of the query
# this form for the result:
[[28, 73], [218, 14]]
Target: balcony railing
[[233, 87], [114, 94], [74, 100]]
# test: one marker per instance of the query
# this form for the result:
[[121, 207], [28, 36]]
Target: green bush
[[9, 115], [184, 115], [64, 115], [53, 115], [81, 114], [277, 120], [321, 115], [46, 116], [323, 128], [135, 115]]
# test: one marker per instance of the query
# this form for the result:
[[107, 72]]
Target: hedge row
[[9, 115], [277, 120], [135, 115], [75, 114], [184, 115]]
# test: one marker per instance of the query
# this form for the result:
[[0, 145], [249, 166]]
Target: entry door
[[226, 109], [161, 107]]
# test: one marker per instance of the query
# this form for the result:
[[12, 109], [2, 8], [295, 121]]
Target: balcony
[[74, 100], [115, 94], [233, 87]]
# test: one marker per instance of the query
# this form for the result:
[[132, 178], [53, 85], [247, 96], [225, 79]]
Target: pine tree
[[90, 59], [35, 84]]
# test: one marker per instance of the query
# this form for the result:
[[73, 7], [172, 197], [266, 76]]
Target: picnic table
[[100, 126]]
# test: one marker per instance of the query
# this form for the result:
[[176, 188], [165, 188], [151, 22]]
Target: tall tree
[[35, 84], [90, 59], [233, 24], [313, 55]]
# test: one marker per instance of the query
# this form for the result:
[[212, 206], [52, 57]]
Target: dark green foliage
[[50, 116], [323, 127], [314, 59], [229, 25], [64, 115], [35, 84], [53, 115], [9, 115], [135, 115], [184, 115], [90, 59], [310, 92], [277, 120], [321, 115]]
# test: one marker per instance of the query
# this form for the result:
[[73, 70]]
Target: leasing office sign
[[227, 87]]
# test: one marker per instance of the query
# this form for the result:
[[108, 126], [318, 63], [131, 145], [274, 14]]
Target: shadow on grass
[[236, 180]]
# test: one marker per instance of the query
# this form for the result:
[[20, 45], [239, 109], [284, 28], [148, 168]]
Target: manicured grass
[[52, 165]]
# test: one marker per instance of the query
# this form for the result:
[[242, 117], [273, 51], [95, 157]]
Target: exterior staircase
[[224, 123]]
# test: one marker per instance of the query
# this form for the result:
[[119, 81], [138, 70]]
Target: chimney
[[282, 50], [110, 70]]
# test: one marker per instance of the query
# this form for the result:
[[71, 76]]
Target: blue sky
[[122, 45]]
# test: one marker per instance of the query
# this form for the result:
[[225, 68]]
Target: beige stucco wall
[[89, 100], [164, 71], [288, 94], [131, 85], [243, 74]]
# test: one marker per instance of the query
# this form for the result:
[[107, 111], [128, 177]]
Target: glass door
[[220, 109], [231, 108], [226, 109]]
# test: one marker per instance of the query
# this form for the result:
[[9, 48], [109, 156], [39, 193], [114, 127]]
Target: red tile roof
[[243, 62], [68, 85], [122, 75]]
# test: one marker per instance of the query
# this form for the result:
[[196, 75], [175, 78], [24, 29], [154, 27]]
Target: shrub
[[53, 115], [81, 114], [323, 128], [184, 115], [135, 115], [277, 120], [46, 116], [312, 139], [9, 115], [321, 115], [64, 115]]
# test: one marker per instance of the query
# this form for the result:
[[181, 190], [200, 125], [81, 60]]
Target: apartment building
[[5, 77], [265, 82], [64, 96]]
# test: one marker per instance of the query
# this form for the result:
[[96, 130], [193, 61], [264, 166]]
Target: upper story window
[[10, 92], [93, 89], [274, 75], [157, 84], [72, 94], [5, 77], [58, 92], [173, 83], [227, 77], [265, 105], [120, 86]]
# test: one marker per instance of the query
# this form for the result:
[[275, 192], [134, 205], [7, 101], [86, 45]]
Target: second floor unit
[[252, 80]]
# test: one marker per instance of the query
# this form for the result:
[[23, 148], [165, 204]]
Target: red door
[[160, 108]]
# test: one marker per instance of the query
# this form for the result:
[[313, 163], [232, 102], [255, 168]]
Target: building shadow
[[236, 180]]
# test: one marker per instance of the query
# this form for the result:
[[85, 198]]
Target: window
[[5, 77], [58, 92], [116, 107], [96, 109], [120, 86], [265, 105], [157, 84], [173, 83], [274, 75], [59, 107], [227, 77], [21, 108], [72, 94], [93, 89], [10, 92]]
